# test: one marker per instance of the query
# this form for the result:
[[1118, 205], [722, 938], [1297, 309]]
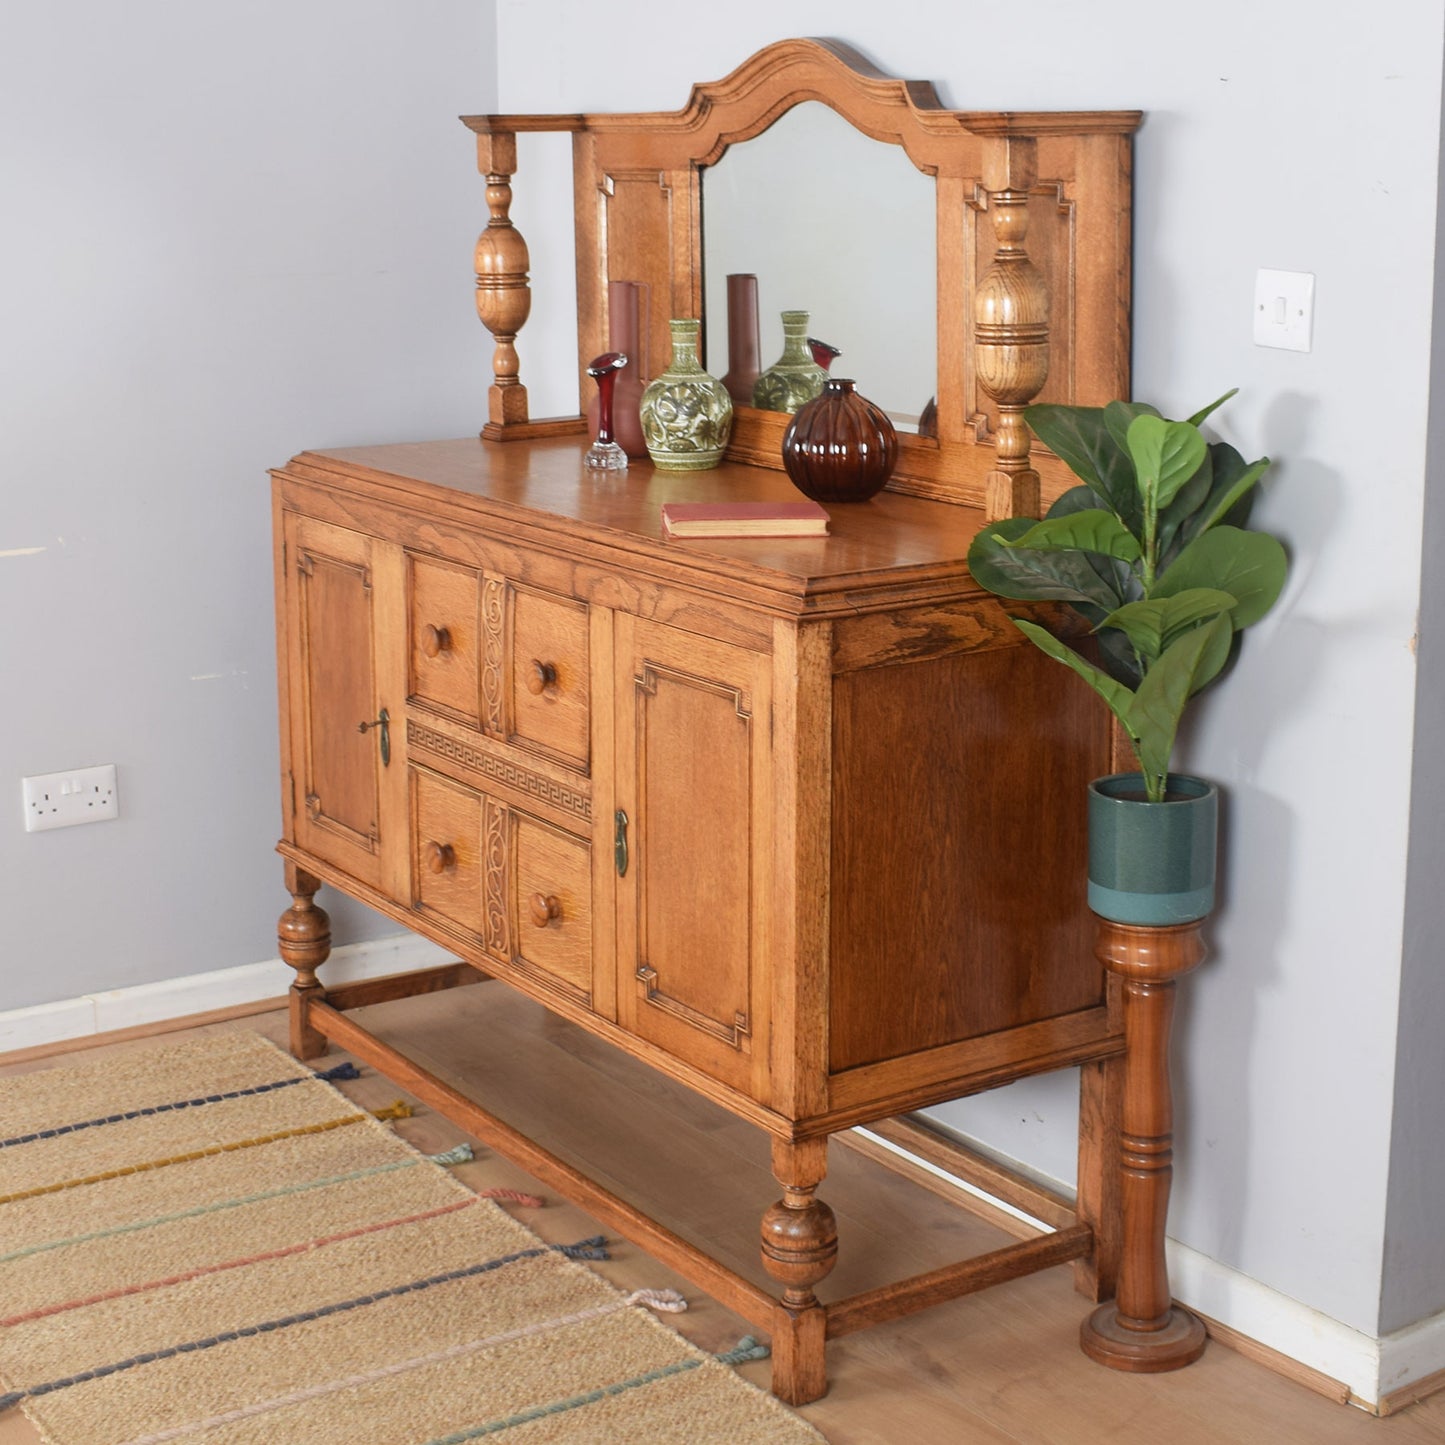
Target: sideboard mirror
[[841, 226], [1029, 255]]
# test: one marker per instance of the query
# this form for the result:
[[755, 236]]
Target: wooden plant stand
[[1141, 1329]]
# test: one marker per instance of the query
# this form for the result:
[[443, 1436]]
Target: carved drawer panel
[[546, 664], [447, 863], [444, 603], [552, 904]]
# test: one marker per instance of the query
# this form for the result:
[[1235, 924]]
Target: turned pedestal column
[[303, 934], [1141, 1329], [800, 1248]]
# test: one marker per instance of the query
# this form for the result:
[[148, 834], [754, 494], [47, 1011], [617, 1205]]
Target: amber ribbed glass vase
[[839, 447]]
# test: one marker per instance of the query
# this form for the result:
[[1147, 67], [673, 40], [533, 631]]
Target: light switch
[[1284, 309]]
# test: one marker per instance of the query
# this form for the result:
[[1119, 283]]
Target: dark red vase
[[839, 447], [744, 363], [624, 306]]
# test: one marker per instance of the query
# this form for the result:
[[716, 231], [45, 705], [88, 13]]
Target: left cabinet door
[[343, 632]]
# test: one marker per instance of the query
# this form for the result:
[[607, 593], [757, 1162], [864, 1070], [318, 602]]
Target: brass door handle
[[383, 725]]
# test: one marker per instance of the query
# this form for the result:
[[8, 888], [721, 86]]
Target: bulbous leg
[[800, 1248], [1142, 1330], [303, 934]]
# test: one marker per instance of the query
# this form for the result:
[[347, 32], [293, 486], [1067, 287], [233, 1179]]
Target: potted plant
[[1152, 549]]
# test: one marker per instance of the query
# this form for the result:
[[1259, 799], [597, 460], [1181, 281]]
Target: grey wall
[[1271, 140], [231, 233], [1413, 1283]]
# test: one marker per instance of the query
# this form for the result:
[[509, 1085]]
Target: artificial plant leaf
[[1082, 498], [1199, 416], [1221, 504], [1165, 455], [1118, 415], [1157, 706], [1088, 531], [1216, 654], [1117, 656], [1078, 436], [1251, 566], [1036, 576], [1153, 625], [1118, 698], [1190, 498]]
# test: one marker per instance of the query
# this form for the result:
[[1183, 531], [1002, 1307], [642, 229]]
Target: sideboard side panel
[[958, 863]]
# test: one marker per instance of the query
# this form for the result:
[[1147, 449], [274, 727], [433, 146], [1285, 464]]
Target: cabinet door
[[693, 779], [346, 800]]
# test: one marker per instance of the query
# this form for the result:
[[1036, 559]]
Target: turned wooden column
[[1011, 326], [800, 1248], [304, 935], [504, 298], [1141, 1329]]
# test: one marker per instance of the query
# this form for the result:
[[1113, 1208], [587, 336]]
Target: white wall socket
[[64, 800]]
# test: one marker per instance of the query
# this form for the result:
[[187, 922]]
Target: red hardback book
[[744, 519]]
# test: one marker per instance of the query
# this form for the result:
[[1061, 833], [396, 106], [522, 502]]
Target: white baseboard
[[150, 1003]]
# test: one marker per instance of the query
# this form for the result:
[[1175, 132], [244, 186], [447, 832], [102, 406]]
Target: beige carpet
[[207, 1243]]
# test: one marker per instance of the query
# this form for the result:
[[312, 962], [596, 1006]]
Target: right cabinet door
[[692, 830]]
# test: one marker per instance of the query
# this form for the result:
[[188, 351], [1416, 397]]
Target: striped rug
[[209, 1243]]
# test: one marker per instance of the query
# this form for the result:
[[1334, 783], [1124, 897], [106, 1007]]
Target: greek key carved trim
[[534, 785]]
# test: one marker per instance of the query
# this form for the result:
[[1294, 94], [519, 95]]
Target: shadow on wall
[[1258, 846]]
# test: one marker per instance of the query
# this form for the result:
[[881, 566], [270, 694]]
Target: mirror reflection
[[841, 226]]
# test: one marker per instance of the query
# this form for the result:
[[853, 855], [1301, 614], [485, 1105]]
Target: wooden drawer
[[447, 864], [443, 610], [547, 656], [552, 904]]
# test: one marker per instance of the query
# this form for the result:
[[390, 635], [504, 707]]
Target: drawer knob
[[440, 857], [544, 908], [541, 676], [435, 640]]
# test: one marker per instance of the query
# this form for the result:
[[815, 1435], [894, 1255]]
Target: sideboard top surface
[[893, 540]]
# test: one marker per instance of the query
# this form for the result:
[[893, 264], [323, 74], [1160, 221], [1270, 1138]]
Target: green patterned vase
[[687, 415], [794, 377]]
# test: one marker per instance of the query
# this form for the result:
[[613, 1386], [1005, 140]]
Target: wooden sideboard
[[796, 822]]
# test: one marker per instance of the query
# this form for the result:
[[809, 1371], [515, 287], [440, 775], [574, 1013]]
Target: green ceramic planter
[[1152, 864]]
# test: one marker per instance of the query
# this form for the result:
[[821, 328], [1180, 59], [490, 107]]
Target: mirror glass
[[838, 225]]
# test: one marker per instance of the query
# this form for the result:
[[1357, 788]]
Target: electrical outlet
[[64, 800]]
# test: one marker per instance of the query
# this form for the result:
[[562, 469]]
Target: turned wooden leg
[[1142, 1330], [800, 1247], [1101, 1102], [304, 935]]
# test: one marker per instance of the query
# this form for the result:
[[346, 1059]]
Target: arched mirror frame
[[1032, 241]]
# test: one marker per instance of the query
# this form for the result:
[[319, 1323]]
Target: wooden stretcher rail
[[1013, 1261], [739, 1295], [1070, 1240]]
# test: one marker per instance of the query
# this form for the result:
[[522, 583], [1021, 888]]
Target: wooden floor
[[1001, 1366]]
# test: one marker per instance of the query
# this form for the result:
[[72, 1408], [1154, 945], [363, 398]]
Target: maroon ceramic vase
[[839, 447], [744, 363]]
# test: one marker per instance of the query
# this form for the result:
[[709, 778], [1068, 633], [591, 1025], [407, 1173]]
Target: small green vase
[[687, 415], [1152, 864], [794, 377]]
